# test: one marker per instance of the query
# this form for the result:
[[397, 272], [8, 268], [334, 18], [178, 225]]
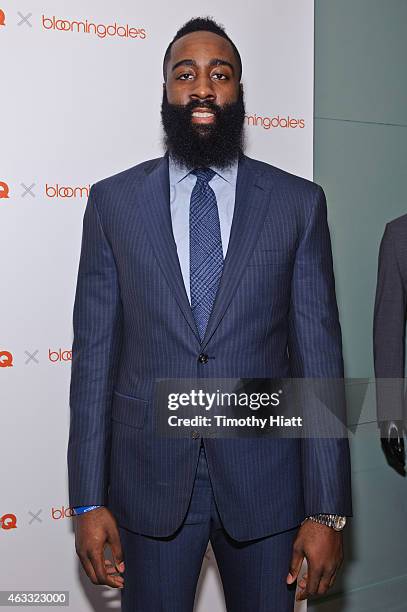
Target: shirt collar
[[178, 172]]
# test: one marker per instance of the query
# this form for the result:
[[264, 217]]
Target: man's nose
[[203, 89]]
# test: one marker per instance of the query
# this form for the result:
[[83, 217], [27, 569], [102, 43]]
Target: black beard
[[195, 146]]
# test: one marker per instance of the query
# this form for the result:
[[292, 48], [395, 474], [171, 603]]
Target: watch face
[[340, 523]]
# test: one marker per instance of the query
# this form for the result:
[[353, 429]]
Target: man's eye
[[184, 74], [221, 76]]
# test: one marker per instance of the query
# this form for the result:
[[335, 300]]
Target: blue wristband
[[83, 509]]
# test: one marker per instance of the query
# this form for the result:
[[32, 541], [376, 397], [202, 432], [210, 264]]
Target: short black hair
[[198, 24]]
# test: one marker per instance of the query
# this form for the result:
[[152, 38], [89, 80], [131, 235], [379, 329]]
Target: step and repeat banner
[[81, 89]]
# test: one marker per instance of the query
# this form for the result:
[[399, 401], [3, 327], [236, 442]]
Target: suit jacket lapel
[[155, 198], [252, 195]]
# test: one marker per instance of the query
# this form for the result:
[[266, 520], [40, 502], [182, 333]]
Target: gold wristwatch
[[330, 520]]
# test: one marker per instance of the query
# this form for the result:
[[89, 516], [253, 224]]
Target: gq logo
[[8, 521], [6, 359], [4, 189]]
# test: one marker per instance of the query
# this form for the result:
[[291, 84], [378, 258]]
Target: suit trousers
[[161, 573]]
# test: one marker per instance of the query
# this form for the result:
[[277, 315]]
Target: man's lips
[[202, 115]]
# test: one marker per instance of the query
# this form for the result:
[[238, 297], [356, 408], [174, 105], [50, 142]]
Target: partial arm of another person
[[389, 350]]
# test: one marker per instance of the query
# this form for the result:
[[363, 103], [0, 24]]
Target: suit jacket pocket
[[269, 257], [129, 410]]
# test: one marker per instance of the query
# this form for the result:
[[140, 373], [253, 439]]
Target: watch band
[[335, 521]]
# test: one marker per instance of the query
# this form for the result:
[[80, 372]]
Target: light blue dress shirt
[[181, 186]]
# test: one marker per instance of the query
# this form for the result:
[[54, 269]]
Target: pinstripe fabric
[[275, 315], [253, 573]]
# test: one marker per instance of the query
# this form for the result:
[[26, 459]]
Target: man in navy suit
[[203, 264]]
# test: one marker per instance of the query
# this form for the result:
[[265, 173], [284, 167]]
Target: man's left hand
[[322, 546]]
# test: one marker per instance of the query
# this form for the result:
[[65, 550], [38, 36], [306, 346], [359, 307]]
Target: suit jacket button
[[195, 434], [203, 358]]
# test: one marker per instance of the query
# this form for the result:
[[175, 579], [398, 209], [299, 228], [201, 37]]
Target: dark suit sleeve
[[315, 350], [389, 331], [96, 344]]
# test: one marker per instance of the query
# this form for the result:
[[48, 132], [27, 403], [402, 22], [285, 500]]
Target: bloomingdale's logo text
[[66, 191], [277, 121], [88, 27]]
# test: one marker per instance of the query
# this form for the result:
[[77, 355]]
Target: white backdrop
[[77, 106]]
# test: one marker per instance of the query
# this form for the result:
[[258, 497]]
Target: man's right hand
[[94, 531]]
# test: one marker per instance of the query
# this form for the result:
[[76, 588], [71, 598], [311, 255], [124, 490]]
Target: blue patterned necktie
[[205, 248]]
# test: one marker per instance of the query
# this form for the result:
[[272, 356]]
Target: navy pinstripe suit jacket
[[275, 315]]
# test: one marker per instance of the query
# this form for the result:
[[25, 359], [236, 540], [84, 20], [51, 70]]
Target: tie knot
[[204, 175]]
